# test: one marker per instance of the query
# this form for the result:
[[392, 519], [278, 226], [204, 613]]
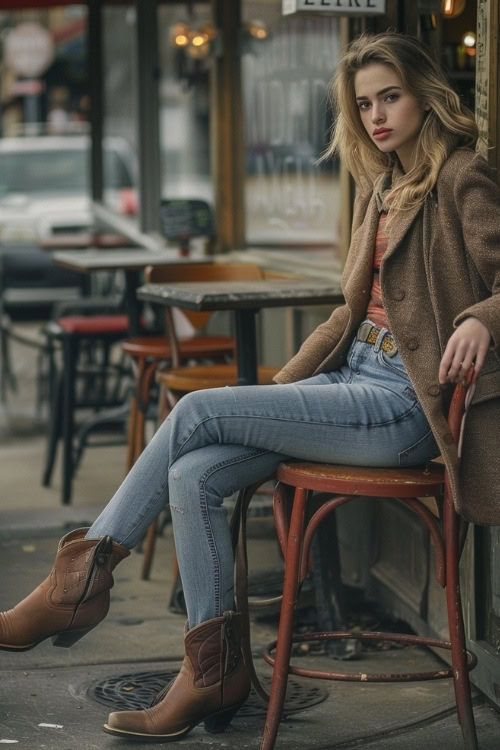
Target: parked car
[[45, 186]]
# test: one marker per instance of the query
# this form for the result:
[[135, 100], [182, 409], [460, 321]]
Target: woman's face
[[391, 116]]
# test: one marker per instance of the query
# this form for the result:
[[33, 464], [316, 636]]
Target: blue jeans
[[217, 441]]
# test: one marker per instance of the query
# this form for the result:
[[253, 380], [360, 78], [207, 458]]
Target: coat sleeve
[[477, 198], [321, 342]]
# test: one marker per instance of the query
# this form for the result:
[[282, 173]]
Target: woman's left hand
[[466, 347]]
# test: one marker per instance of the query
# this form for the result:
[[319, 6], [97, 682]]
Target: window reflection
[[120, 106], [184, 100], [289, 198]]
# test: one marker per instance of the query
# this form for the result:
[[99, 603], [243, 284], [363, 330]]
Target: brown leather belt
[[368, 333]]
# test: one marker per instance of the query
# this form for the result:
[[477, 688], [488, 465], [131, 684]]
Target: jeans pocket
[[420, 452], [393, 363]]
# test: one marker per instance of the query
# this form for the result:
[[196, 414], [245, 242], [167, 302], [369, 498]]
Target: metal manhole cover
[[128, 692]]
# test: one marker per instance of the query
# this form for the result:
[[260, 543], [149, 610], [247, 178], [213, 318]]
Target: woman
[[369, 387]]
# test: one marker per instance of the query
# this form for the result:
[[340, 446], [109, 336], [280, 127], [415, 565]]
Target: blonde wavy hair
[[447, 125]]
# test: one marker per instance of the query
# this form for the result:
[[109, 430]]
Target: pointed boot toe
[[71, 601], [128, 723], [140, 725], [210, 688]]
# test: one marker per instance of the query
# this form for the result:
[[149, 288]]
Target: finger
[[467, 361], [456, 364], [479, 362], [446, 361]]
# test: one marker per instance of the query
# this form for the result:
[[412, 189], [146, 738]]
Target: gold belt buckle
[[387, 345], [372, 336]]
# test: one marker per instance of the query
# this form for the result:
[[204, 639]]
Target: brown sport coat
[[442, 264]]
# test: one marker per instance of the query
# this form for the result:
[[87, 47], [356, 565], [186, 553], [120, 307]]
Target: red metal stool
[[295, 537], [72, 331]]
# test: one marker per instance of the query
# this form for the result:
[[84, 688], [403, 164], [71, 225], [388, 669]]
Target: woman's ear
[[427, 107]]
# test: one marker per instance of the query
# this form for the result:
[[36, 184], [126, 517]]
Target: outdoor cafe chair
[[297, 481], [149, 353]]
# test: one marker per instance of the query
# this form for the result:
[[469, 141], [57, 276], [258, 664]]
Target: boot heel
[[219, 722], [69, 637]]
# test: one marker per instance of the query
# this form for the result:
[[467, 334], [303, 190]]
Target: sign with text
[[181, 219], [338, 7]]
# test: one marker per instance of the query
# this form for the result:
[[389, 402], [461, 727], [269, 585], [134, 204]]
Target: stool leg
[[149, 549], [55, 426], [132, 426], [70, 353], [284, 644], [457, 634]]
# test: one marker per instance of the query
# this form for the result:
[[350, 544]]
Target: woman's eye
[[392, 97], [362, 105]]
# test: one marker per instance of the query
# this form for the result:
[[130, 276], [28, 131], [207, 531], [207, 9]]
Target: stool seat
[[198, 346], [198, 378], [425, 481], [94, 324]]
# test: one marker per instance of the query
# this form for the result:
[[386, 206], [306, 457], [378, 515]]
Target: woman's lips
[[381, 136]]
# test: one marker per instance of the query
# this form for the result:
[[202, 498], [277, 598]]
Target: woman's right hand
[[467, 346]]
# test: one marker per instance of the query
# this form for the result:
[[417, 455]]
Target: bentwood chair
[[151, 353], [297, 481]]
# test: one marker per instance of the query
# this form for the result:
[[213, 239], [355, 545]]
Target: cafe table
[[244, 299], [129, 260]]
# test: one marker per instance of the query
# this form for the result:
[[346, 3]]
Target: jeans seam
[[146, 507], [293, 419], [206, 519]]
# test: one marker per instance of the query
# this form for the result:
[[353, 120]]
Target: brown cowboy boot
[[212, 685], [71, 601]]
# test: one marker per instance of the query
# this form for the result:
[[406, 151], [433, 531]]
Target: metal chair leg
[[55, 430], [70, 353], [284, 644], [461, 680], [149, 549]]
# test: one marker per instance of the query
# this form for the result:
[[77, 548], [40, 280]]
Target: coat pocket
[[487, 387]]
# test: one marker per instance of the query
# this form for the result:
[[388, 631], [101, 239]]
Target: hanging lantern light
[[453, 8], [257, 29], [199, 46], [469, 42], [179, 35]]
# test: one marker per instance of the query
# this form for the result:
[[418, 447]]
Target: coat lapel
[[399, 230]]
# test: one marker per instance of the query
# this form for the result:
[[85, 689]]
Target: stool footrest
[[411, 640]]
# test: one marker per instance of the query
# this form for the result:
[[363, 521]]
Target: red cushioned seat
[[97, 324]]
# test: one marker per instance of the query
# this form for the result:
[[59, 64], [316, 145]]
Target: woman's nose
[[378, 114]]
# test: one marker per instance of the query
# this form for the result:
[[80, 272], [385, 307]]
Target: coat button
[[433, 390], [412, 344], [398, 294], [448, 438]]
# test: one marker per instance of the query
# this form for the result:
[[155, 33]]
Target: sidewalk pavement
[[49, 686]]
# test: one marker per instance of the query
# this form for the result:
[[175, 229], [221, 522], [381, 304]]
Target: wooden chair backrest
[[202, 272]]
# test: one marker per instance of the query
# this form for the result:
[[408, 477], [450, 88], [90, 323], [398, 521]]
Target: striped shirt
[[375, 311]]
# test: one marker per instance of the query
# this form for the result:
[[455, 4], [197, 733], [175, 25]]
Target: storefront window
[[287, 65], [184, 42], [44, 141], [120, 107]]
